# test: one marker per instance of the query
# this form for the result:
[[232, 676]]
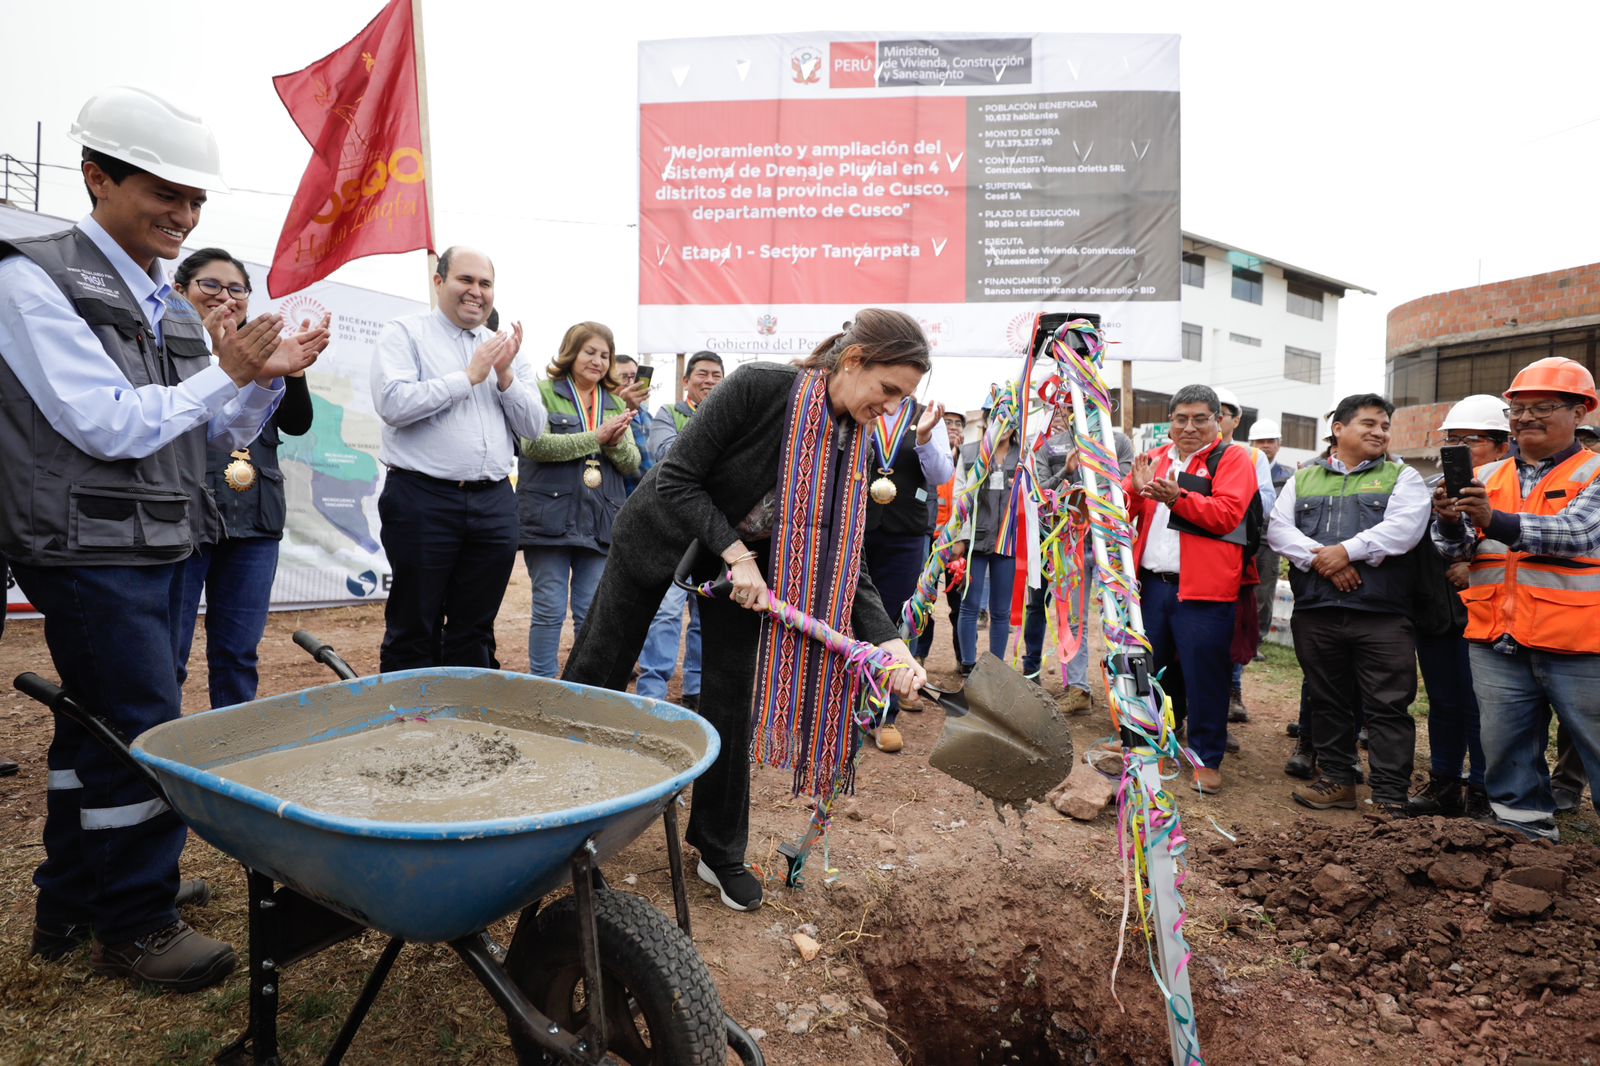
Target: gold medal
[[239, 475], [591, 474], [883, 490]]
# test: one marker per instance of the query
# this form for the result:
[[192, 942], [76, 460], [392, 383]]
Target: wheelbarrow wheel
[[662, 1008]]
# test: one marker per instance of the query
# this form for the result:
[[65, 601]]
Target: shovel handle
[[60, 702]]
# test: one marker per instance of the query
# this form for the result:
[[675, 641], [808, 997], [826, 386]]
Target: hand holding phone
[[1455, 460], [646, 372]]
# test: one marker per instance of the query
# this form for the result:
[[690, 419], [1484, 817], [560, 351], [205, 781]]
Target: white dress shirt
[[82, 393], [1162, 549], [1404, 521], [435, 421]]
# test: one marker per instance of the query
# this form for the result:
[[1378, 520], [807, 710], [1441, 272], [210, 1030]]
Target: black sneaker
[[1236, 708], [1478, 808], [739, 888], [1441, 795], [53, 942]]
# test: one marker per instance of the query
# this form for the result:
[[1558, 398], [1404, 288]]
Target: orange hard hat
[[1556, 374]]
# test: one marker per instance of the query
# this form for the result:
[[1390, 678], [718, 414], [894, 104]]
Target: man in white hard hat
[[1247, 639], [1478, 423], [107, 398]]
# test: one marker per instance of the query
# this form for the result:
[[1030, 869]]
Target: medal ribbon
[[886, 433], [590, 419]]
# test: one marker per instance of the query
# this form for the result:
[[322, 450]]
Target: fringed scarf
[[805, 693]]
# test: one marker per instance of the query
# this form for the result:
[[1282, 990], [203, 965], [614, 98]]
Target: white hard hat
[[1478, 412], [145, 131], [1226, 397], [1264, 429]]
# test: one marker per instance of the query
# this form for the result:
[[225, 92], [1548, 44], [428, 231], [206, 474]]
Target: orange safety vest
[[1543, 602]]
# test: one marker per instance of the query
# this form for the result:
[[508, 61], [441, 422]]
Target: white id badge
[[922, 495], [997, 480]]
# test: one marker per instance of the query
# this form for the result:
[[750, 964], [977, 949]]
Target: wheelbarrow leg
[[583, 889], [260, 1038], [369, 992], [680, 893]]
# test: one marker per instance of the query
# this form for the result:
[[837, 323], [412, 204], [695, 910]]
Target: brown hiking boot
[[1324, 794], [1076, 701], [52, 942], [176, 959], [1207, 779]]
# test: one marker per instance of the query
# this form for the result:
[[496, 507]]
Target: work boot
[[1396, 808], [1478, 808], [1325, 794], [1441, 795], [176, 959], [1567, 800], [1303, 763], [192, 893], [52, 942], [1230, 744], [1076, 701], [888, 739], [1207, 780], [1236, 711]]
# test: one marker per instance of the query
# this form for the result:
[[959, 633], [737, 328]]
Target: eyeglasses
[[1541, 411], [1185, 421], [1469, 440], [212, 286]]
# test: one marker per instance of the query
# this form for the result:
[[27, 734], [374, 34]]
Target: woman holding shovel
[[772, 475]]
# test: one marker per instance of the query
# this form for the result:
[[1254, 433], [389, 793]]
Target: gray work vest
[[59, 505], [1331, 507]]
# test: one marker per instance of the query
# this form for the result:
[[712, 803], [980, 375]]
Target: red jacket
[[1208, 569]]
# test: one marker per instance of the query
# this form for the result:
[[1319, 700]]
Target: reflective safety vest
[[1543, 602]]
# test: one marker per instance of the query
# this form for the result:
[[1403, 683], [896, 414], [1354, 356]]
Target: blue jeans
[[1515, 695], [1452, 706], [1190, 641], [1034, 625], [998, 573], [658, 660], [894, 562], [111, 847], [553, 571], [237, 577]]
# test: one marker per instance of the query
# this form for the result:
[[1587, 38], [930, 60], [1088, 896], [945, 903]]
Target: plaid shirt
[[1574, 532]]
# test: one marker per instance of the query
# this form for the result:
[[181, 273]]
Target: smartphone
[[646, 372], [1455, 460]]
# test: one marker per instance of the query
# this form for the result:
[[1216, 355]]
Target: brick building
[[1444, 347]]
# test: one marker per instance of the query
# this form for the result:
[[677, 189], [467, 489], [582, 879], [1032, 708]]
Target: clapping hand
[[507, 357], [612, 429], [296, 352], [491, 355], [931, 418], [242, 352]]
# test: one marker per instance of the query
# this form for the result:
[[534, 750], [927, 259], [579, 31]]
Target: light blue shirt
[[435, 420], [79, 389]]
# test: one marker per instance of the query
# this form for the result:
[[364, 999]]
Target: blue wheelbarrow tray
[[422, 881]]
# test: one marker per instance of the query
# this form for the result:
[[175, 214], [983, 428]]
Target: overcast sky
[[1405, 147]]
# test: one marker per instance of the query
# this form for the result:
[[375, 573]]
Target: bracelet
[[747, 555]]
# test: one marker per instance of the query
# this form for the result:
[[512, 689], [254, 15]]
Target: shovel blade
[[1012, 745]]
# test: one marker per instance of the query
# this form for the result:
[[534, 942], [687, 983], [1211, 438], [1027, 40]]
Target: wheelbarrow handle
[[60, 702], [324, 654]]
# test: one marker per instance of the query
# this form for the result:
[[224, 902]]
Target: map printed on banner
[[969, 180]]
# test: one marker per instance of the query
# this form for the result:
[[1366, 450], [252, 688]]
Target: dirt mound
[[1467, 935]]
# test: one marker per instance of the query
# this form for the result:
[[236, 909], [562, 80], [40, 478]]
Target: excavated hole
[[1018, 975]]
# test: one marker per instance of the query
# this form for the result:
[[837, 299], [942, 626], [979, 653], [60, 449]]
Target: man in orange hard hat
[[1530, 526]]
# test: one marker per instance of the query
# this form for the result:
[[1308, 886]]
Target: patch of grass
[[315, 1005], [229, 996], [190, 1047]]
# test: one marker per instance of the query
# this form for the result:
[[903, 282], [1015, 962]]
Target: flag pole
[[427, 147]]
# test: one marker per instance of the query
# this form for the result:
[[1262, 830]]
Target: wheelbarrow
[[316, 879]]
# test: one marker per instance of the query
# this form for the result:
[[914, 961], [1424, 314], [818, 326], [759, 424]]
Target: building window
[[1301, 365], [1305, 300], [1249, 342], [1194, 270], [1300, 432], [1247, 285], [1191, 342], [1151, 406]]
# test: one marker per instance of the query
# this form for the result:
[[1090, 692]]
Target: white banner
[[970, 180], [332, 477]]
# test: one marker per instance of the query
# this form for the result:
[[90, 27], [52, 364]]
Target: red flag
[[364, 192]]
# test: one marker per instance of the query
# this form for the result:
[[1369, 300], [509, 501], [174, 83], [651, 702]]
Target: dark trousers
[[1190, 641], [894, 563], [451, 550], [1452, 706], [111, 847], [1266, 593], [952, 599], [1335, 644], [236, 577], [609, 644]]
